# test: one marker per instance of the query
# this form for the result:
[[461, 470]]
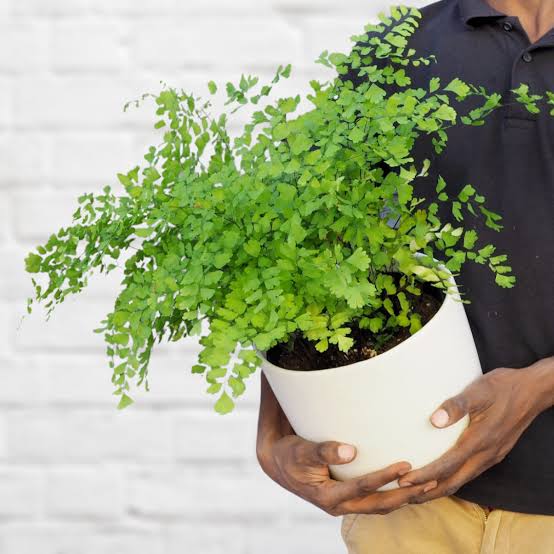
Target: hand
[[501, 405], [302, 467]]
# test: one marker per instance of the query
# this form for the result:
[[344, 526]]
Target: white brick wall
[[167, 476]]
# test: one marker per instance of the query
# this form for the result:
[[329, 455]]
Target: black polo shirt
[[510, 160]]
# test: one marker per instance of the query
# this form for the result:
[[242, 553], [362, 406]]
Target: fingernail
[[346, 452], [406, 484], [440, 418], [404, 470], [432, 485]]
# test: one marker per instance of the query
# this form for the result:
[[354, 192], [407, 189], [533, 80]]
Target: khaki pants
[[448, 525]]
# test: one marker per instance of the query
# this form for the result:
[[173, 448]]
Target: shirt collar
[[475, 11]]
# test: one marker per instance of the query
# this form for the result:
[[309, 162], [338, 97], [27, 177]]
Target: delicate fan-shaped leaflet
[[293, 225]]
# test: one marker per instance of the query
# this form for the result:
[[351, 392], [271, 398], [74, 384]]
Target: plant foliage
[[281, 228]]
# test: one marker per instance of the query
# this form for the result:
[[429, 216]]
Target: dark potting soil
[[300, 353]]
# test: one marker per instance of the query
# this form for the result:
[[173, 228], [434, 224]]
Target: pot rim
[[448, 301]]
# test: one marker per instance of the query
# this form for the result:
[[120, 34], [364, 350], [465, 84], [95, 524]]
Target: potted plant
[[278, 241]]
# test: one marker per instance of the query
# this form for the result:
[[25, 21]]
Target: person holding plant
[[494, 491], [276, 239]]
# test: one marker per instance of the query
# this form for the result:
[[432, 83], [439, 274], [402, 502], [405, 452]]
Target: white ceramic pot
[[382, 405]]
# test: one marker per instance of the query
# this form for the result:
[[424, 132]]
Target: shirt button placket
[[517, 110]]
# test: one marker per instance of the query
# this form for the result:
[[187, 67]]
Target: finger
[[455, 408], [471, 469], [442, 468], [342, 491], [451, 411], [325, 453], [386, 501]]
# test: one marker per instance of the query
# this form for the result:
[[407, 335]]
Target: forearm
[[272, 421], [268, 415], [542, 379]]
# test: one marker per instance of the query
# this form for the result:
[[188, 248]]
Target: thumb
[[333, 452], [451, 411]]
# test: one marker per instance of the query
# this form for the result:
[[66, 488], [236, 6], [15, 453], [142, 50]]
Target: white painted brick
[[170, 380], [5, 217], [150, 8], [222, 538], [236, 42], [6, 103], [86, 47], [271, 538], [39, 214], [32, 8], [3, 440], [78, 380], [20, 493], [6, 335], [72, 323], [36, 215], [361, 7], [15, 283], [208, 491], [22, 47], [93, 492], [5, 10], [212, 436], [297, 537], [21, 381], [78, 103], [88, 436], [329, 33], [68, 538], [315, 6], [70, 327], [146, 8], [93, 160], [22, 159], [217, 8]]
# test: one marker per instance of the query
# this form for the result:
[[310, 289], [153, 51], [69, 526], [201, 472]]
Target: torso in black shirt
[[510, 160]]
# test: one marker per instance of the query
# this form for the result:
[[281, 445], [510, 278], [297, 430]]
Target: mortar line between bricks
[[147, 407]]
